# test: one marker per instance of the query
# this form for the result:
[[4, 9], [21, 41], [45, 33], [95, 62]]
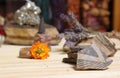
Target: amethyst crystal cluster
[[75, 35]]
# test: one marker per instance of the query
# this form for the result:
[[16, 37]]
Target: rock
[[18, 40], [105, 44], [114, 34], [92, 58], [19, 35], [75, 35], [25, 25], [25, 35], [28, 14], [89, 57], [69, 60], [24, 52], [72, 55]]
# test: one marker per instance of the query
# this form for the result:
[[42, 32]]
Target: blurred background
[[98, 15]]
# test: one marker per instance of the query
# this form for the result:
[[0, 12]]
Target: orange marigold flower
[[39, 50]]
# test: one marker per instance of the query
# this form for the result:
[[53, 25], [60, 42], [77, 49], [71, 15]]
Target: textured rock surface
[[75, 35], [24, 52], [105, 44], [28, 14], [89, 57], [19, 35], [92, 58]]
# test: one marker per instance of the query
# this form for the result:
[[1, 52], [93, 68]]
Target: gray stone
[[92, 58]]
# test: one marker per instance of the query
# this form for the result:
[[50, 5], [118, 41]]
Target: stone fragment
[[24, 52], [105, 44], [92, 58]]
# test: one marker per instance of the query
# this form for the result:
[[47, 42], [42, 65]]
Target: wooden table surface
[[13, 67]]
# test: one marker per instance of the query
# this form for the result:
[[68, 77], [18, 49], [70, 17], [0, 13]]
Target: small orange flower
[[39, 50]]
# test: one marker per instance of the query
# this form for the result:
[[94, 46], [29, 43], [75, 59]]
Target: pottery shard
[[92, 58]]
